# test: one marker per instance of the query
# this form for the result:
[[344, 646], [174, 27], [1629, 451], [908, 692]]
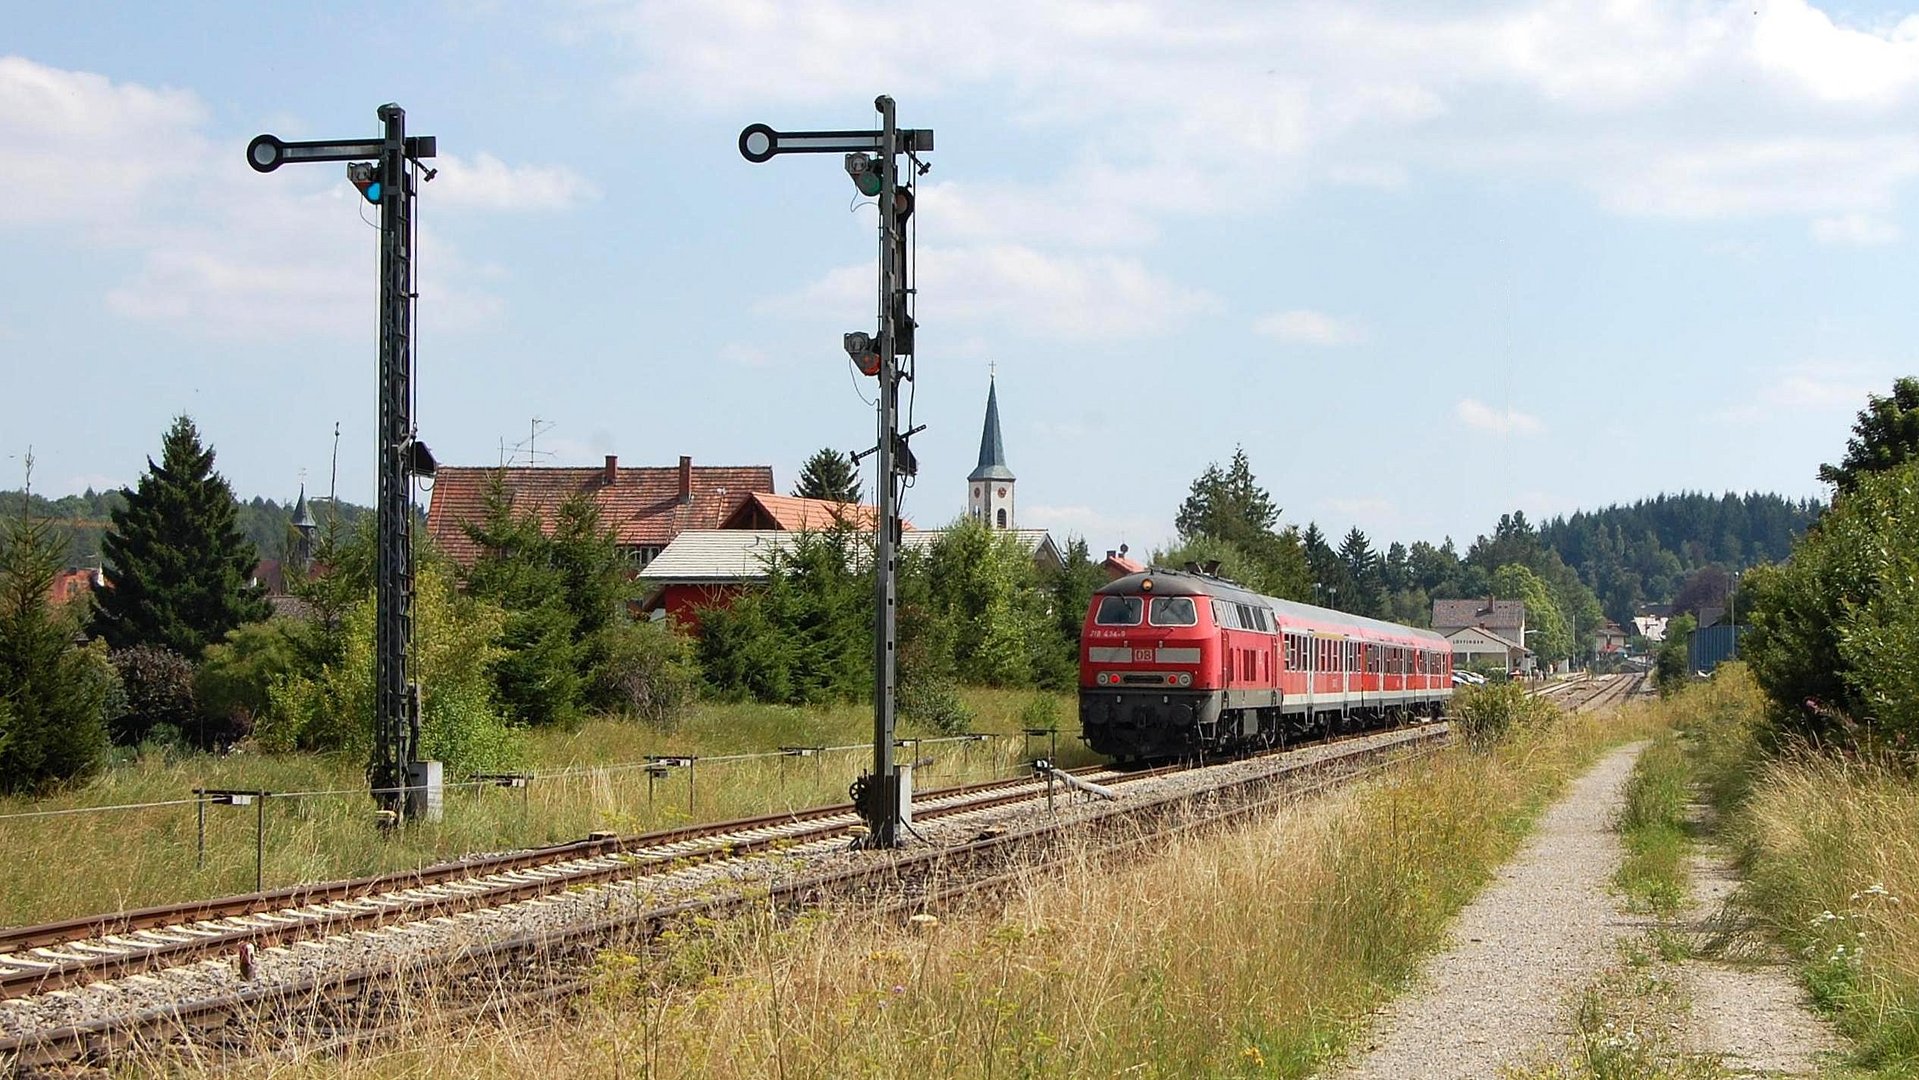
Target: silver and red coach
[[1174, 663]]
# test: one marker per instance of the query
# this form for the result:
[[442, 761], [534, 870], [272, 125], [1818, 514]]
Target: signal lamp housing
[[864, 351], [365, 175], [865, 171]]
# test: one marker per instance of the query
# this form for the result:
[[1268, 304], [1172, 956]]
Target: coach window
[[1173, 611], [1118, 611]]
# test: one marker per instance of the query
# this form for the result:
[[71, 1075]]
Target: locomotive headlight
[[1102, 677], [1185, 679]]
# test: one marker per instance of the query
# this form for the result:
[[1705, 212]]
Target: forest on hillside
[[84, 517], [1644, 553], [1628, 556]]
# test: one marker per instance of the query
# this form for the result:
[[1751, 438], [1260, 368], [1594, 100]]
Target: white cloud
[[1093, 297], [285, 253], [1306, 327], [1835, 63], [1480, 416], [487, 183], [80, 146], [1702, 109], [1815, 386], [1856, 230]]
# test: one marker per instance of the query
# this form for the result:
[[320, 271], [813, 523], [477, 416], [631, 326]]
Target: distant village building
[[303, 527], [75, 583], [708, 568], [1609, 639], [1507, 618], [646, 507], [990, 484], [791, 513], [1476, 646], [1650, 627], [1117, 565]]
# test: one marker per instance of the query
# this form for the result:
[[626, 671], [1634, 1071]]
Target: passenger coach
[[1174, 663]]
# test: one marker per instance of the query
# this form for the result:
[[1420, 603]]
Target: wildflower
[[1253, 1057]]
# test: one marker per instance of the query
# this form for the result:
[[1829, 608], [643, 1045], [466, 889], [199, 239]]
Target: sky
[[1425, 263]]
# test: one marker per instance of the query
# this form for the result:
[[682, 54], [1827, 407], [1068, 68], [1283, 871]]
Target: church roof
[[992, 450], [302, 516]]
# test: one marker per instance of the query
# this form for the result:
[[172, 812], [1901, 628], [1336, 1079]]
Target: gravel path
[[1544, 928], [1749, 1012]]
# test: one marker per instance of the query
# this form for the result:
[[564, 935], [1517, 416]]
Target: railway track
[[52, 956], [395, 902]]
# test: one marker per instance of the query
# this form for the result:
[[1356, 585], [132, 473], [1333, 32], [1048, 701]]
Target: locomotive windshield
[[1118, 611], [1173, 611]]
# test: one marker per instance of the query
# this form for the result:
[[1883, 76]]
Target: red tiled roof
[[790, 513], [641, 505]]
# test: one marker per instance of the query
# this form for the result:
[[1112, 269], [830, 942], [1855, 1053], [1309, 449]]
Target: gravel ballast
[[398, 945]]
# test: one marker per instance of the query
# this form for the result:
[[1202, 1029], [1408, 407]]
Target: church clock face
[[975, 494], [1002, 493]]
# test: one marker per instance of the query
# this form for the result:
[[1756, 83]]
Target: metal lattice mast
[[873, 163], [394, 721], [885, 823], [388, 182]]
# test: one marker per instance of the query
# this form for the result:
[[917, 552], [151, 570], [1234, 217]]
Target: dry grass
[[1253, 952], [96, 862], [1834, 852], [1830, 846]]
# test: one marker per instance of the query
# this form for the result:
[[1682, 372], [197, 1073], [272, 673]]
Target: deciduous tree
[[1885, 434]]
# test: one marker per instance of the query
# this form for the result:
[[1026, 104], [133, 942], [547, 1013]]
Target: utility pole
[[387, 182], [872, 160]]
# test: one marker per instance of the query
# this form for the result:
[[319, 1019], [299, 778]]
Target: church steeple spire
[[990, 485]]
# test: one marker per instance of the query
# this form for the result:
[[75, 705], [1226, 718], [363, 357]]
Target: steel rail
[[98, 1039], [121, 945]]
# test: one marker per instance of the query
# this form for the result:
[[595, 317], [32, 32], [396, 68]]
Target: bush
[[331, 708], [1487, 715], [934, 700], [805, 637], [158, 684], [645, 670], [1835, 631], [236, 676]]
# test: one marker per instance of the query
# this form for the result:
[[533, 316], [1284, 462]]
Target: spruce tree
[[829, 475], [178, 566], [53, 693]]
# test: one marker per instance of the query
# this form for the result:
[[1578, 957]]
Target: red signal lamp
[[863, 350]]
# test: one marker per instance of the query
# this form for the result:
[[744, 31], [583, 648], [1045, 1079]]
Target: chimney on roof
[[686, 479], [1111, 554], [612, 469]]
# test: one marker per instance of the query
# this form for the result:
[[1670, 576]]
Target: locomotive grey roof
[[992, 449], [1180, 583]]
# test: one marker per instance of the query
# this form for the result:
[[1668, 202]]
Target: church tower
[[990, 485]]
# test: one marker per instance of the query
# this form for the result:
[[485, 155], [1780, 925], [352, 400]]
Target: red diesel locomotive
[[1176, 663]]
